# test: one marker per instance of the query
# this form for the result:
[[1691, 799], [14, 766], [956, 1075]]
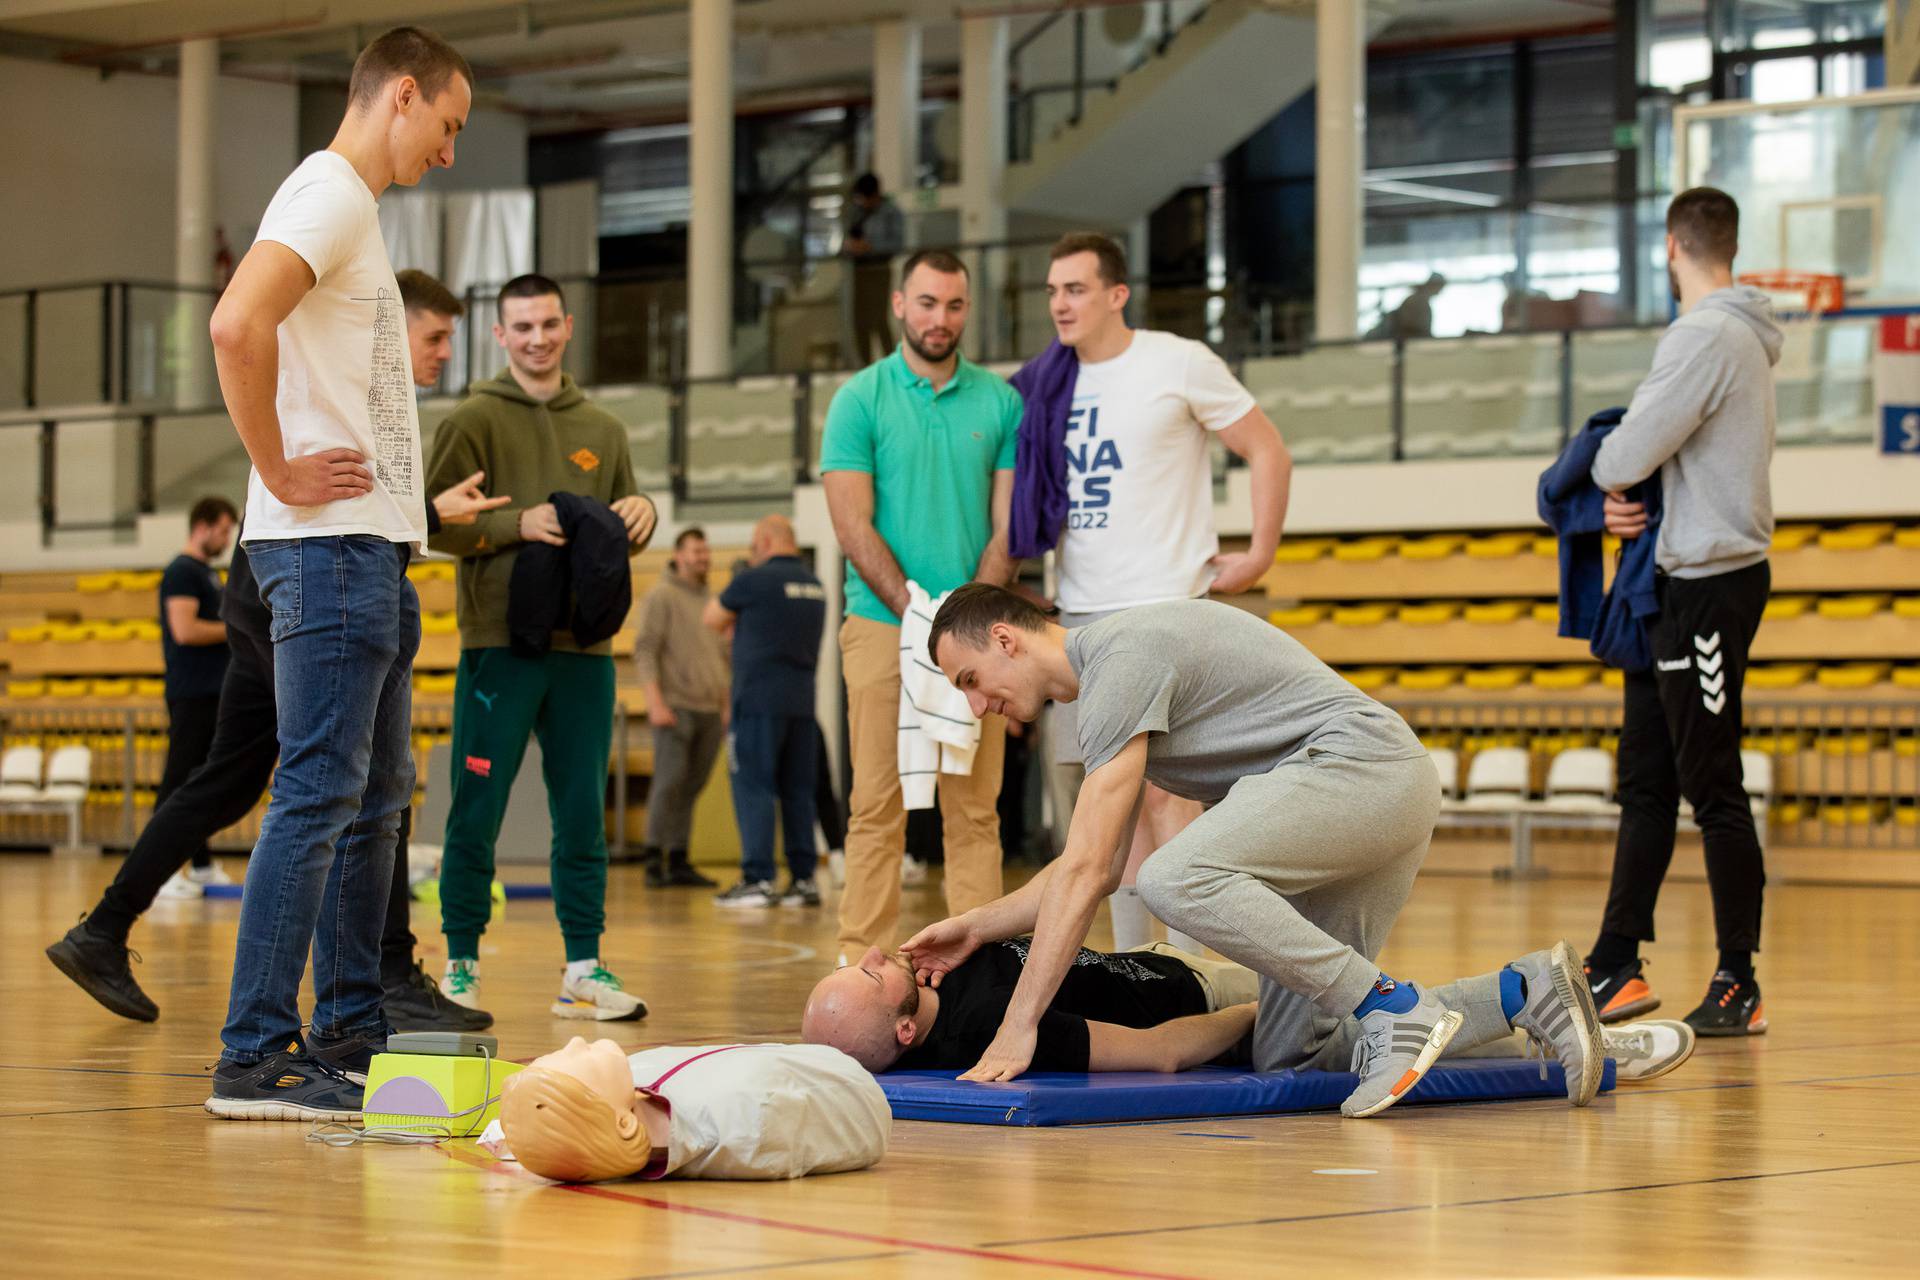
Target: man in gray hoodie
[[1704, 420]]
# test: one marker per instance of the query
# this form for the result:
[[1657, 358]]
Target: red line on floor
[[991, 1255]]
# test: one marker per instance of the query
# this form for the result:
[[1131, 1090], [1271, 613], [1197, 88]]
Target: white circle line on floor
[[1347, 1173]]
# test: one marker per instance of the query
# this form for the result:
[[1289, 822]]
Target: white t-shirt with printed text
[[345, 380], [1140, 525]]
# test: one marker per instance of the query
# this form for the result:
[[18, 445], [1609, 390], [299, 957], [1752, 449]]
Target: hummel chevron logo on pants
[[1713, 681]]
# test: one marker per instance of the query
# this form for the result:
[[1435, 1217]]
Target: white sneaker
[[461, 983], [837, 868], [597, 996], [181, 888], [209, 874], [913, 872], [1643, 1051]]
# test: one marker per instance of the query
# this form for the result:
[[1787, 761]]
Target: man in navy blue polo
[[776, 611]]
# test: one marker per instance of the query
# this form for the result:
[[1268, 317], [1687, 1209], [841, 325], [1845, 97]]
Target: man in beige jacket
[[685, 673]]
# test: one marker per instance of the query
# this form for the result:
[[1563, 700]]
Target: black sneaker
[[351, 1055], [98, 966], [801, 893], [1622, 993], [289, 1085], [415, 1003], [749, 893], [1732, 1008], [679, 874]]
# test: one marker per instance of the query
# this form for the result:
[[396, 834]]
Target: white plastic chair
[[1497, 779], [69, 773], [1580, 781], [1446, 762], [20, 774]]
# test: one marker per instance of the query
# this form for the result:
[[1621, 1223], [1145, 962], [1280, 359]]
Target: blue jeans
[[772, 758], [346, 624]]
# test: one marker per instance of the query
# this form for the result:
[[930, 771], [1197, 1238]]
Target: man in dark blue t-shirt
[[193, 642], [776, 611]]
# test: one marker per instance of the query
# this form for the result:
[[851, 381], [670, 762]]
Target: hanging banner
[[1896, 383]]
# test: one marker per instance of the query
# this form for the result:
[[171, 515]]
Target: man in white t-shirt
[[310, 341], [1139, 524]]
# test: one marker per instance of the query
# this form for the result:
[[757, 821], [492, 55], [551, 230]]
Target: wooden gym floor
[[1794, 1154]]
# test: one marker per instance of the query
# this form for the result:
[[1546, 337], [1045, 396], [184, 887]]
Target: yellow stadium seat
[[33, 633], [1361, 615], [1429, 614], [1427, 679], [1300, 615], [1906, 606], [140, 580], [1856, 537], [1906, 815], [1849, 744], [1853, 608], [1909, 538], [93, 584], [1374, 548], [434, 684], [68, 688], [1496, 546], [1547, 546], [1792, 537], [1497, 611], [1788, 813], [1302, 550], [1780, 608], [1613, 678], [116, 631], [1860, 813], [145, 630], [150, 688], [1779, 675], [113, 688], [431, 571], [64, 633], [1907, 677], [1368, 678], [1497, 678], [439, 624], [1547, 613], [1852, 675], [1774, 744], [26, 688], [1436, 546], [1568, 677]]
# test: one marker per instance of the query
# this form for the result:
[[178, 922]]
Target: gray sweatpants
[[683, 756], [1299, 874]]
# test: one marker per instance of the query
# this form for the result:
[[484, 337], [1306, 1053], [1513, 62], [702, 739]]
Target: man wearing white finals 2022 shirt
[[311, 345], [1139, 526]]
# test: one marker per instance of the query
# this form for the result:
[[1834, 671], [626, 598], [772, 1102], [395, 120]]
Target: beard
[[931, 354]]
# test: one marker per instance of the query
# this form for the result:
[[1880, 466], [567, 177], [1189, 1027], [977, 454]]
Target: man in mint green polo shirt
[[918, 468]]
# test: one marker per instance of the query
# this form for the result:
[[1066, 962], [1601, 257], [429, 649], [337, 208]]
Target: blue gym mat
[[1055, 1097]]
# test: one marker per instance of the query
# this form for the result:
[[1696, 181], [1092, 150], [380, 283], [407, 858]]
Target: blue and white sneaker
[[598, 997]]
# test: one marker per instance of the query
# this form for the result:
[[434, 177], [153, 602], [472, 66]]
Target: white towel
[[938, 731]]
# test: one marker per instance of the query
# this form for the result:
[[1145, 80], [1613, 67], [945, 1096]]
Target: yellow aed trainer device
[[436, 1083]]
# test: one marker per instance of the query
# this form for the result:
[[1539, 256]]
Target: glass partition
[[196, 456], [1333, 404], [1483, 396], [740, 438], [167, 357], [13, 351], [1607, 365], [648, 413]]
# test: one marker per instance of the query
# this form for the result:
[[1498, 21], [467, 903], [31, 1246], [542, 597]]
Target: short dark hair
[[530, 285], [421, 292], [406, 51], [867, 184], [944, 261], [209, 510], [970, 611], [1705, 223], [688, 534], [1113, 259]]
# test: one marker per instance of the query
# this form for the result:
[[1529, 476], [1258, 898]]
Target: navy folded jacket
[[1040, 498], [1614, 620], [584, 588]]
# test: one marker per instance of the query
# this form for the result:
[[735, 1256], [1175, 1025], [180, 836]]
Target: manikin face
[[534, 332], [932, 309], [1003, 678], [601, 1066], [430, 344], [1083, 306], [421, 136]]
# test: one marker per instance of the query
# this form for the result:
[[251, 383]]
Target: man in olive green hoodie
[[534, 434]]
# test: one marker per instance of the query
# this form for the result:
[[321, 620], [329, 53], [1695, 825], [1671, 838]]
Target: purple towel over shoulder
[[1045, 384]]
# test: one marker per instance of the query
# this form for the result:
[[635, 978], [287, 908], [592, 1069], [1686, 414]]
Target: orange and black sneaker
[[1732, 1008], [1622, 993]]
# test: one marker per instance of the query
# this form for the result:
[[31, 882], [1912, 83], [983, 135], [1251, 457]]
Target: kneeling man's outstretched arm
[[1171, 1046]]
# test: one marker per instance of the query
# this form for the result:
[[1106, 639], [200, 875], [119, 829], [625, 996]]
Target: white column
[[710, 237], [896, 105], [983, 162], [1340, 158], [191, 355]]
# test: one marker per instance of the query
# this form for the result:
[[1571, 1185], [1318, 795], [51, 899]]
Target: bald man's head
[[772, 536]]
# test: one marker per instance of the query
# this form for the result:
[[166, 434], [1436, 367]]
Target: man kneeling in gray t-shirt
[[1320, 805]]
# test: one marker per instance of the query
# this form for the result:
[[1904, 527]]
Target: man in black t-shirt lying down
[[1153, 1009]]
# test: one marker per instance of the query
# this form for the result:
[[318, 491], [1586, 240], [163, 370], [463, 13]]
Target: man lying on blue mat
[[1151, 1009], [1320, 806]]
